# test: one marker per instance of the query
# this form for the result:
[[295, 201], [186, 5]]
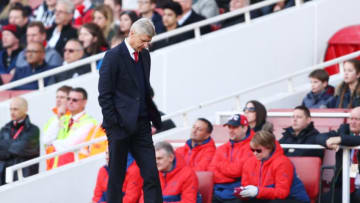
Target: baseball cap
[[237, 120]]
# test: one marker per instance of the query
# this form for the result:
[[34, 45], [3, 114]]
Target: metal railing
[[237, 95], [92, 59]]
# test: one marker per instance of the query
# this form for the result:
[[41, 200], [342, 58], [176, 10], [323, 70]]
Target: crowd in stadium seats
[[249, 167], [96, 23]]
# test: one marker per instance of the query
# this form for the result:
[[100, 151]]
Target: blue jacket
[[349, 101], [3, 68], [320, 100], [27, 71]]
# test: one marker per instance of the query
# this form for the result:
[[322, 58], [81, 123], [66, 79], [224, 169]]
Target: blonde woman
[[103, 17]]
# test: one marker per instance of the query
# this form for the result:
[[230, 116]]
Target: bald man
[[347, 135], [35, 56], [19, 140]]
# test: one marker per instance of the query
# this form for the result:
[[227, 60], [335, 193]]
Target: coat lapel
[[129, 63]]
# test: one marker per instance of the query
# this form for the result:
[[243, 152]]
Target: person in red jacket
[[200, 148], [269, 176], [229, 158], [132, 185], [179, 182]]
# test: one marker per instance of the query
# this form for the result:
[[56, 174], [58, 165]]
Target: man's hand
[[61, 111], [249, 191], [333, 143]]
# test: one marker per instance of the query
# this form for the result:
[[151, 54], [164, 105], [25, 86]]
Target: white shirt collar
[[78, 115], [131, 50], [184, 17]]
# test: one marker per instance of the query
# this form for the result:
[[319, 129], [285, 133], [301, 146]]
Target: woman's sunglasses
[[249, 109]]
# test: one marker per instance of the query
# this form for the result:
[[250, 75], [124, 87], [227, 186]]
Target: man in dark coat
[[62, 31], [19, 140], [347, 135], [127, 108], [302, 131]]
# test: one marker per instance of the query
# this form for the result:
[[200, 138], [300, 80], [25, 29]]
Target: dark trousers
[[354, 197], [218, 200], [141, 146]]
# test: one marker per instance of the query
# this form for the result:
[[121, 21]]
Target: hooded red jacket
[[132, 186], [273, 177], [198, 157], [229, 158]]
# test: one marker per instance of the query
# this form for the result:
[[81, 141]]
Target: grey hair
[[69, 4], [143, 26], [165, 146]]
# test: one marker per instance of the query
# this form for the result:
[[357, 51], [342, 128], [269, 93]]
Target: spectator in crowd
[[71, 129], [35, 57], [132, 184], [127, 18], [146, 9], [321, 92], [83, 12], [223, 5], [11, 48], [103, 17], [116, 40], [4, 15], [347, 94], [301, 131], [346, 135], [116, 6], [62, 31], [189, 16], [179, 183], [36, 32], [206, 8], [172, 10], [19, 16], [200, 148], [229, 159], [238, 4], [256, 114], [45, 13], [92, 39], [59, 110], [73, 51], [269, 176], [19, 140]]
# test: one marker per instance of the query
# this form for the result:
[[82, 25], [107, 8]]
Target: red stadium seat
[[15, 93], [308, 170], [5, 95], [205, 185], [6, 78]]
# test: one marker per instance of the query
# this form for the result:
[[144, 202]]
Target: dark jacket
[[306, 136], [319, 100], [347, 139], [158, 23], [193, 18], [72, 73], [27, 71], [4, 69], [349, 101], [67, 32], [168, 41], [119, 92], [23, 148]]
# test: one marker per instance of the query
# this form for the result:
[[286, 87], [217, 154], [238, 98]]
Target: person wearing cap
[[172, 10], [11, 48], [229, 159], [36, 32], [200, 148], [35, 55]]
